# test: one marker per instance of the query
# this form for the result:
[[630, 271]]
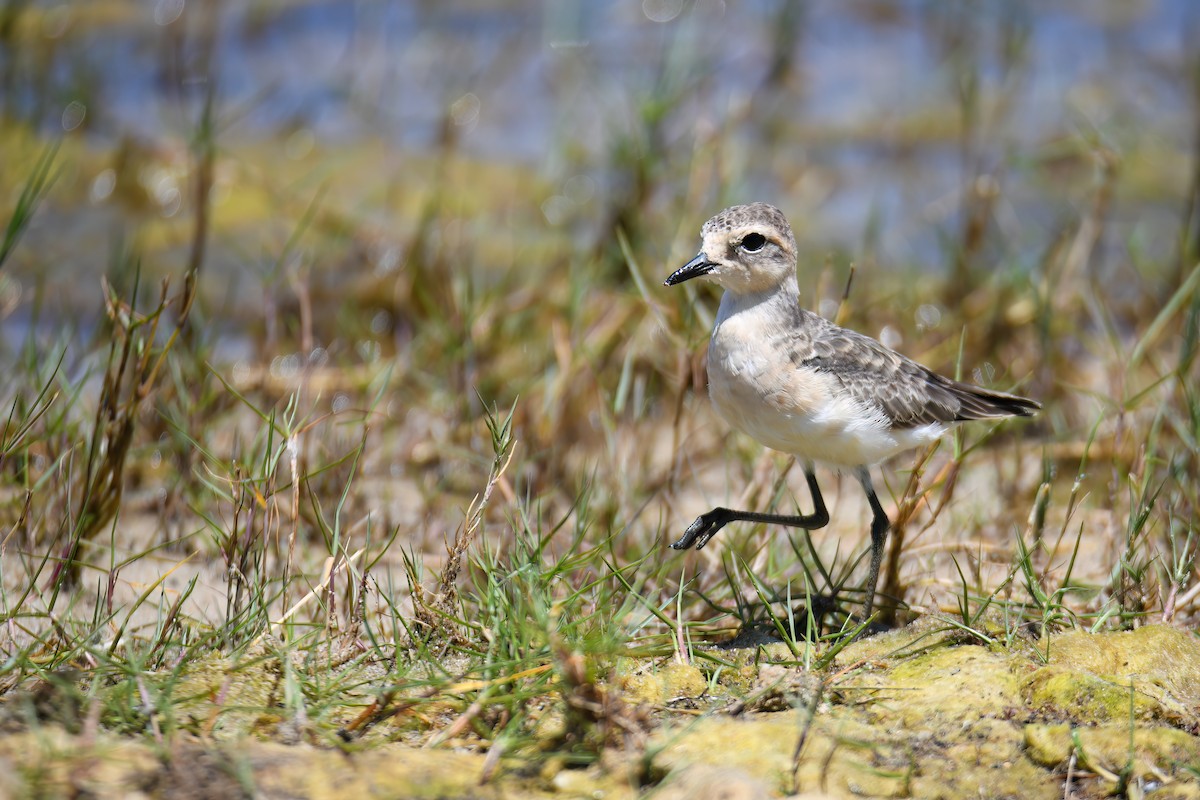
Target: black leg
[[879, 530], [706, 525]]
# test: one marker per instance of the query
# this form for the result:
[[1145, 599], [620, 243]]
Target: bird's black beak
[[700, 265]]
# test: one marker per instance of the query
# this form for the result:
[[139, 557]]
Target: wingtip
[[981, 403], [1027, 407]]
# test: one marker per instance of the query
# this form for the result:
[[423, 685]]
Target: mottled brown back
[[908, 393]]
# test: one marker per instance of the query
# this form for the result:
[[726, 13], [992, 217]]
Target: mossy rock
[[1160, 754], [845, 757], [985, 758], [51, 763], [659, 684], [924, 633], [1089, 676], [938, 688], [841, 756], [230, 696], [1083, 698]]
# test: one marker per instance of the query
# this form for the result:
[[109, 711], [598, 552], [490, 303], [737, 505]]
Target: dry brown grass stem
[[909, 502], [431, 611], [294, 452], [332, 567], [969, 546]]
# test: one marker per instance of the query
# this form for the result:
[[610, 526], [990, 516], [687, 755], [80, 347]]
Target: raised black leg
[[879, 530], [706, 525]]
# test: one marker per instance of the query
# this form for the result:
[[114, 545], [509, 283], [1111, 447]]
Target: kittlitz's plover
[[801, 385]]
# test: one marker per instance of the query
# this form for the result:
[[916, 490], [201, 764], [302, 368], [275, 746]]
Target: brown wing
[[908, 393]]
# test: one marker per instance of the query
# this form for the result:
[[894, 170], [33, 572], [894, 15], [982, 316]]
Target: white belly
[[758, 390]]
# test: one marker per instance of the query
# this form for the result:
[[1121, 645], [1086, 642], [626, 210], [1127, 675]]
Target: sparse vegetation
[[368, 446]]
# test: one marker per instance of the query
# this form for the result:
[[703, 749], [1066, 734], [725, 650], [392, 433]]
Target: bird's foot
[[704, 528]]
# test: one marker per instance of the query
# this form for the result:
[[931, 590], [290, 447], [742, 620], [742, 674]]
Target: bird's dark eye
[[753, 242]]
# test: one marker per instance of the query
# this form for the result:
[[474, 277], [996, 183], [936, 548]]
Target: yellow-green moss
[[228, 697], [659, 685], [1109, 750], [941, 687], [1089, 676], [1085, 698]]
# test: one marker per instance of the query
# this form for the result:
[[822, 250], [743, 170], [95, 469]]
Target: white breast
[[759, 389]]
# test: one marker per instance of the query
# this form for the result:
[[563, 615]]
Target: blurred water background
[[884, 129]]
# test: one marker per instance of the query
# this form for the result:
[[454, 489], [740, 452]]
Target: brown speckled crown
[[764, 214]]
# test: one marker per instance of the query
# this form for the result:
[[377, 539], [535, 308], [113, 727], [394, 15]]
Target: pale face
[[745, 250]]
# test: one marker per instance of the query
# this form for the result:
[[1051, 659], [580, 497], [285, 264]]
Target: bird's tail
[[980, 403]]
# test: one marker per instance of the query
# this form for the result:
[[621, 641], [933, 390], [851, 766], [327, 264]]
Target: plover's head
[[745, 249]]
